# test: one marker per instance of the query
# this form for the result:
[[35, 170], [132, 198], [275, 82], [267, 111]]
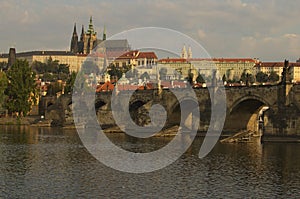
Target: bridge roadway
[[243, 108]]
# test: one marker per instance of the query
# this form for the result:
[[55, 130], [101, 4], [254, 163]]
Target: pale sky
[[265, 29]]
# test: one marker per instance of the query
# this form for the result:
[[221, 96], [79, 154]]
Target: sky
[[264, 29]]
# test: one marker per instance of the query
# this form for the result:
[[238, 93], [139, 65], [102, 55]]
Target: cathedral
[[88, 39]]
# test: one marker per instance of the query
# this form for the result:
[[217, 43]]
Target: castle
[[88, 40]]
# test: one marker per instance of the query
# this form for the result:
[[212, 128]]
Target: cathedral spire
[[104, 33], [91, 27], [74, 41], [74, 31], [82, 33]]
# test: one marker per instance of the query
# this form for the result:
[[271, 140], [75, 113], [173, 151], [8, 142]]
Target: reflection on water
[[52, 163]]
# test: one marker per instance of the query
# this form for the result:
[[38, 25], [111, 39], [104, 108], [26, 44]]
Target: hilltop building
[[88, 39]]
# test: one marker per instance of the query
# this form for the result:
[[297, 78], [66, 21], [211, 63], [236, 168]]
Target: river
[[53, 163]]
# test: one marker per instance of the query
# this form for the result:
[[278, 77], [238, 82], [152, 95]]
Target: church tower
[[104, 34], [190, 54], [74, 41], [183, 52], [88, 39]]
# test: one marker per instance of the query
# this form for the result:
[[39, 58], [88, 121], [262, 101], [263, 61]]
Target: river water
[[53, 163]]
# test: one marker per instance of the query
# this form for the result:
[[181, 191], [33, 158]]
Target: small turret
[[104, 34], [11, 57], [183, 52], [91, 27], [190, 54]]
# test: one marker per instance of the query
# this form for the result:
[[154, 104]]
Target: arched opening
[[247, 114], [99, 105], [49, 104], [139, 113], [184, 114]]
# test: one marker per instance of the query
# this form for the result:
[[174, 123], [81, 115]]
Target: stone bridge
[[274, 109]]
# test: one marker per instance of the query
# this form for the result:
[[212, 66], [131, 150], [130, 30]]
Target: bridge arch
[[250, 97], [244, 114], [186, 118]]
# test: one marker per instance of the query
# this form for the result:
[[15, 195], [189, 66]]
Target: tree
[[224, 79], [273, 77], [145, 75], [115, 71], [51, 70], [70, 82], [200, 79], [190, 77], [89, 67], [163, 73], [131, 73], [3, 65], [21, 89], [261, 77], [3, 86], [247, 77]]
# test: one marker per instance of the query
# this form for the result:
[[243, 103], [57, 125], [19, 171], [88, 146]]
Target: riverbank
[[28, 120]]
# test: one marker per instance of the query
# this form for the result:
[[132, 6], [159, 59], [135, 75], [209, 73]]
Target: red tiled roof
[[224, 59], [148, 55], [114, 54], [107, 86], [172, 60], [182, 60], [129, 55], [271, 64], [297, 64]]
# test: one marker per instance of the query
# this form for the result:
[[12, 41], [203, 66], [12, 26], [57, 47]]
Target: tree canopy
[[21, 89], [52, 70], [273, 77], [3, 86], [145, 75], [247, 77], [261, 77], [200, 78], [70, 82]]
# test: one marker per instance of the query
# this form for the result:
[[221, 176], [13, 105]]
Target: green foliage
[[247, 77], [80, 83], [273, 77], [131, 73], [21, 89], [145, 75], [54, 88], [51, 70], [224, 79], [89, 67], [261, 77], [3, 65], [3, 86], [190, 77], [163, 73], [70, 82], [115, 71], [200, 78]]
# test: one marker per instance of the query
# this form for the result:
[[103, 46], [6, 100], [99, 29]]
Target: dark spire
[[74, 41], [74, 31], [82, 33]]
